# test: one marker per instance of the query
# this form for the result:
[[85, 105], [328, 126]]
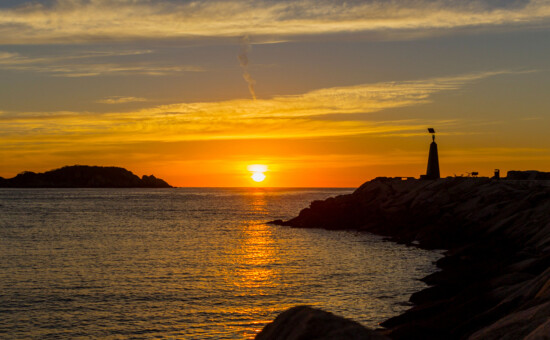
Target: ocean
[[186, 263]]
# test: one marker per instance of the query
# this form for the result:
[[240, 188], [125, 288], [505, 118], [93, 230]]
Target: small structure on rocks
[[433, 159]]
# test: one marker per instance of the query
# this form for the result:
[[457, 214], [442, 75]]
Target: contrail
[[243, 59]]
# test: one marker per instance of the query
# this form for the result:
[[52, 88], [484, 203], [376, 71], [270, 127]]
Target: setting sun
[[258, 172], [258, 176]]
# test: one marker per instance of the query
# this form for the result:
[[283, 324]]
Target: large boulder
[[306, 323]]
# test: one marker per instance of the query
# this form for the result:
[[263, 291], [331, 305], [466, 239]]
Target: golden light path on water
[[259, 248], [257, 254]]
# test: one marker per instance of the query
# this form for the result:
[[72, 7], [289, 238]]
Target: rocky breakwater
[[494, 281]]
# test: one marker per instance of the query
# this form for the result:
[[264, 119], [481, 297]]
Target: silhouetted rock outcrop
[[153, 182], [528, 175], [304, 322], [82, 176], [495, 278]]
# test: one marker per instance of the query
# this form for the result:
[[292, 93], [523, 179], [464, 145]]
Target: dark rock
[[497, 236], [306, 323], [153, 182], [82, 176], [528, 175], [532, 323]]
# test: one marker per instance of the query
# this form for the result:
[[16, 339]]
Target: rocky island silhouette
[[83, 176]]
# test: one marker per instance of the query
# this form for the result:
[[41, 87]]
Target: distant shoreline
[[83, 176]]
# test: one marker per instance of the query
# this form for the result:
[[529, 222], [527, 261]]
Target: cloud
[[497, 154], [86, 65], [120, 100], [313, 114], [243, 60], [74, 21], [12, 58], [363, 98]]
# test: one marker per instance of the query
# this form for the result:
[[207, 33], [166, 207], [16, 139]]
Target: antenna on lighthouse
[[432, 131]]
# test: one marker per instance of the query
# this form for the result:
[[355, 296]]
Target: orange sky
[[343, 92]]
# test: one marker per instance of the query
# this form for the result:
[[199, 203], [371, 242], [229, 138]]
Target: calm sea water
[[185, 263]]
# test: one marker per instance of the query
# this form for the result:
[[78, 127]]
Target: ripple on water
[[185, 263]]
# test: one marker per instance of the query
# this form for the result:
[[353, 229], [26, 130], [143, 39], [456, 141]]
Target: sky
[[322, 93]]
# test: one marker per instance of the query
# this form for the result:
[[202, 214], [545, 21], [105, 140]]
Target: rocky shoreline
[[494, 281]]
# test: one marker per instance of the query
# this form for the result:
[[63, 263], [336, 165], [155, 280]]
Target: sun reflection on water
[[257, 251]]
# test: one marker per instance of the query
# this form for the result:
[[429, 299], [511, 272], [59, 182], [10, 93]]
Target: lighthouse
[[433, 159]]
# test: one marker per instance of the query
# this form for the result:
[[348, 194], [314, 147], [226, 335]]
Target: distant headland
[[83, 176]]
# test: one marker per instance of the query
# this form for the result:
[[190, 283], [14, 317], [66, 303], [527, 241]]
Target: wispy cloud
[[363, 98], [87, 65], [69, 21], [90, 70], [312, 114], [12, 58], [120, 100], [497, 155]]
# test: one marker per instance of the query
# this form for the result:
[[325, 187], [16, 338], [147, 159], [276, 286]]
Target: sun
[[258, 176], [257, 172]]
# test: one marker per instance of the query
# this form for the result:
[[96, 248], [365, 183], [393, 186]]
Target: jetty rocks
[[494, 281], [83, 176]]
